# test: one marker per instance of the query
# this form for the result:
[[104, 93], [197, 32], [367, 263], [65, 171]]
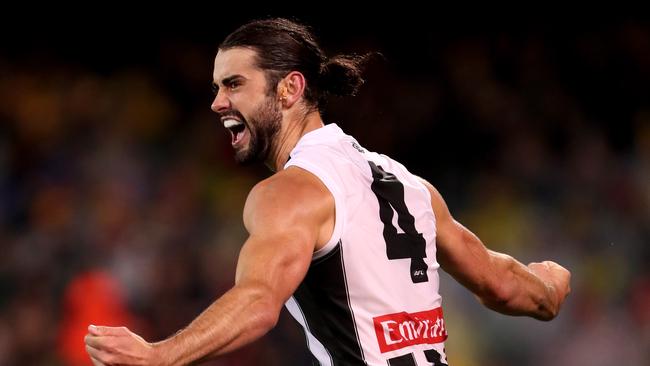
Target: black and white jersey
[[370, 296]]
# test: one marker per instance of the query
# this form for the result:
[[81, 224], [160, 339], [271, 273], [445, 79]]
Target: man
[[348, 240]]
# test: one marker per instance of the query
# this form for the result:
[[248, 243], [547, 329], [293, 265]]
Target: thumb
[[106, 331]]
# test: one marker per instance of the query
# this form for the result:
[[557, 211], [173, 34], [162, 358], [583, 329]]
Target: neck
[[288, 137]]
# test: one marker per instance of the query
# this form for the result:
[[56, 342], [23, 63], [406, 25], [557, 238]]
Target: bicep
[[284, 217], [276, 262]]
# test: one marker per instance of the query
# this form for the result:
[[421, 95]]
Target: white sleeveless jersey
[[370, 296]]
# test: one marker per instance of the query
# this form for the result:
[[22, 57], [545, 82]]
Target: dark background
[[119, 199]]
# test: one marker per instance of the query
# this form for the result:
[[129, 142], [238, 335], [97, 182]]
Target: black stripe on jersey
[[406, 360], [314, 360], [324, 300]]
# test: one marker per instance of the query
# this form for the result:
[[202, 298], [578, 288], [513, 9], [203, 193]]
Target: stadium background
[[120, 202]]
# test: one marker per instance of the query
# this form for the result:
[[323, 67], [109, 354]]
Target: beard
[[263, 125]]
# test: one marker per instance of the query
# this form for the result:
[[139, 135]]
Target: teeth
[[229, 123]]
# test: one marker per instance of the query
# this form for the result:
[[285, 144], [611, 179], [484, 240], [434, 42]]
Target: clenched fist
[[556, 277], [119, 346]]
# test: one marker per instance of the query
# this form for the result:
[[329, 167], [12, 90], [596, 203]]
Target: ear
[[291, 88]]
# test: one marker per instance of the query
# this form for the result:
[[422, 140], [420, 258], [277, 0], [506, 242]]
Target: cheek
[[247, 105]]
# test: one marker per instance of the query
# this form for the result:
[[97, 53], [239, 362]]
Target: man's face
[[244, 104]]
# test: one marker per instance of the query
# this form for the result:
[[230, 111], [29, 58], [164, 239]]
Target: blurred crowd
[[120, 203]]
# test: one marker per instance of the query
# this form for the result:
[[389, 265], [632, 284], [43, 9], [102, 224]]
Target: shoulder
[[432, 190], [293, 182], [438, 204], [291, 194]]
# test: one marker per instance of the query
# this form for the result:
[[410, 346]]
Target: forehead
[[235, 61]]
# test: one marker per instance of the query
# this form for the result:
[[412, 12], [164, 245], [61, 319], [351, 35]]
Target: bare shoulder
[[289, 195], [294, 185], [437, 202]]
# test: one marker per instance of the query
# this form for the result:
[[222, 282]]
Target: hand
[[108, 346], [556, 277]]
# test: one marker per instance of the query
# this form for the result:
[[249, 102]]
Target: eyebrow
[[226, 81]]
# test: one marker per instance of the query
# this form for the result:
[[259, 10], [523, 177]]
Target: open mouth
[[237, 129]]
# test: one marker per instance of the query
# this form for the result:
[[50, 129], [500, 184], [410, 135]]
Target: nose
[[220, 102]]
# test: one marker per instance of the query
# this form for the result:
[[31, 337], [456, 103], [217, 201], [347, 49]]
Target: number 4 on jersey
[[409, 244]]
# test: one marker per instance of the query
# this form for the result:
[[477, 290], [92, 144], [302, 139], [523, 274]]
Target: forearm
[[498, 280], [516, 290], [240, 316]]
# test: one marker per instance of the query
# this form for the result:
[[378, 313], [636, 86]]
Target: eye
[[215, 89], [234, 85]]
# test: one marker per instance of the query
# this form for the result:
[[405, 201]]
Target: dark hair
[[283, 46]]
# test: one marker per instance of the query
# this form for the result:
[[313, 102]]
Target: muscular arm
[[499, 281], [286, 217]]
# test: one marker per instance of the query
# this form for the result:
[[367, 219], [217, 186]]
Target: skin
[[289, 216]]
